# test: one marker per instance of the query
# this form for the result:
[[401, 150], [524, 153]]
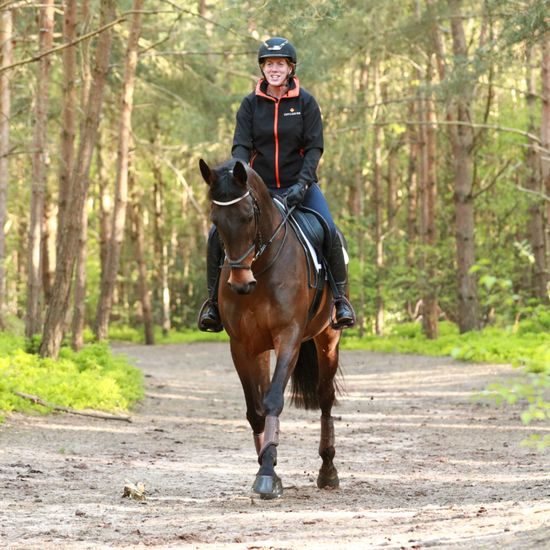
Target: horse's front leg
[[267, 483], [327, 353], [253, 373]]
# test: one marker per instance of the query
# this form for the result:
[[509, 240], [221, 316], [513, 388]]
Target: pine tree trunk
[[39, 159], [422, 163], [69, 129], [161, 249], [48, 254], [68, 112], [378, 209], [139, 250], [412, 184], [462, 138], [358, 196], [79, 310], [121, 194], [79, 183], [545, 141], [392, 187], [105, 201], [534, 183], [6, 52], [431, 308]]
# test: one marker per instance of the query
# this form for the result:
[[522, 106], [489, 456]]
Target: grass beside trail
[[93, 378]]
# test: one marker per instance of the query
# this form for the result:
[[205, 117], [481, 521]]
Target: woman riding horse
[[279, 133], [265, 302]]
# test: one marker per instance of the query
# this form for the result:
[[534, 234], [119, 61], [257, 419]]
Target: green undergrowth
[[93, 378], [529, 345], [130, 334]]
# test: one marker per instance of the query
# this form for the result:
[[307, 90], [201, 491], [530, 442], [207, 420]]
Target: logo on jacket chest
[[292, 112]]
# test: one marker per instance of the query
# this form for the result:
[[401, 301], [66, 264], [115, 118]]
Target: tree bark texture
[[105, 203], [68, 110], [431, 309], [39, 160], [412, 183], [138, 237], [534, 183], [79, 183], [6, 51], [378, 211], [462, 139], [48, 254], [80, 280], [161, 248], [79, 310], [545, 140], [108, 280]]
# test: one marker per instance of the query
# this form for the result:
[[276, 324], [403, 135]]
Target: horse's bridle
[[258, 245]]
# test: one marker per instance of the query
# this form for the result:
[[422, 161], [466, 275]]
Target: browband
[[228, 203]]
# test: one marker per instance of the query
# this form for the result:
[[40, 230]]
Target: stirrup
[[210, 323], [346, 322]]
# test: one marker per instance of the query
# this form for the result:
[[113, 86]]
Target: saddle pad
[[309, 231]]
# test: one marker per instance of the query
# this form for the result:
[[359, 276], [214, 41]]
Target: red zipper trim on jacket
[[294, 92], [276, 134]]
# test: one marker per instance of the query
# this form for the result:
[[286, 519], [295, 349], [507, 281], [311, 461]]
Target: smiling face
[[276, 71]]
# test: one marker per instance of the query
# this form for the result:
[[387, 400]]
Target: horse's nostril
[[242, 288]]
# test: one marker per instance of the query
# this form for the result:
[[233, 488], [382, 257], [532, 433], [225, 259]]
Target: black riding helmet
[[277, 47]]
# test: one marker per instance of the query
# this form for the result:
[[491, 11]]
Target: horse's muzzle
[[242, 288], [241, 279]]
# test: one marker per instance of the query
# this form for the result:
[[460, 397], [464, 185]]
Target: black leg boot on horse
[[209, 315], [344, 316]]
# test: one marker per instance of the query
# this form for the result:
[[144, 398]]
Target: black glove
[[296, 194]]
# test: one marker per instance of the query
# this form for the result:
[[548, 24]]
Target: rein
[[260, 249]]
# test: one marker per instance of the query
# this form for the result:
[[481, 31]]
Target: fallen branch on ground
[[39, 401]]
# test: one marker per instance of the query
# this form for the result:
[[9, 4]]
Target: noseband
[[258, 245]]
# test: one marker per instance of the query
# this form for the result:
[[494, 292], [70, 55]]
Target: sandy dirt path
[[421, 464]]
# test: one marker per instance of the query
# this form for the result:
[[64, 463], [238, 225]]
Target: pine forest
[[436, 165]]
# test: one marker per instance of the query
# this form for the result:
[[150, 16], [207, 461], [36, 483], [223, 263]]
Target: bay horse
[[264, 301]]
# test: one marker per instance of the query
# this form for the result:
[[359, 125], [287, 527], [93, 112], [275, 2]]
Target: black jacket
[[281, 139]]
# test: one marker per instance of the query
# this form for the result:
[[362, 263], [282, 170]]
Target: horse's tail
[[305, 378]]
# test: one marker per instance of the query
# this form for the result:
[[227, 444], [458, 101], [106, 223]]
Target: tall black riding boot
[[344, 316], [209, 315]]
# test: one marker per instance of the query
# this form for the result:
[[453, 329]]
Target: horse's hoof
[[328, 480], [268, 487]]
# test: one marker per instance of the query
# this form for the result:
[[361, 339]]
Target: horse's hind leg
[[327, 352]]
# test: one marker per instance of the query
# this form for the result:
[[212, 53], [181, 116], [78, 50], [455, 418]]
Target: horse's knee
[[273, 404]]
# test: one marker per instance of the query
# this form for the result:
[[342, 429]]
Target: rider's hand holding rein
[[296, 194]]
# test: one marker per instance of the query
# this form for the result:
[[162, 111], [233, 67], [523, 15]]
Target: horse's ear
[[239, 173], [205, 171]]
